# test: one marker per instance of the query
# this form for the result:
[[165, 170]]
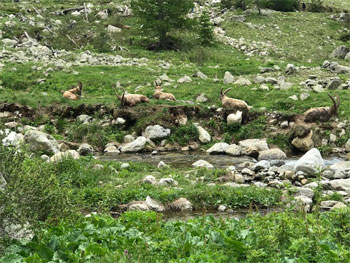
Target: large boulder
[[242, 82], [204, 136], [154, 205], [156, 132], [340, 184], [272, 154], [134, 146], [303, 144], [259, 144], [340, 52], [40, 141], [219, 147], [234, 150], [85, 149], [181, 204], [310, 163]]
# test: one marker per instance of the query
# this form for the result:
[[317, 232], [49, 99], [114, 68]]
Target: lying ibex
[[232, 103], [74, 93], [160, 95], [323, 113], [132, 99]]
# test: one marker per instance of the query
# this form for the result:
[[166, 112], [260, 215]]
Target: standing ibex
[[74, 93], [160, 95], [323, 113], [232, 103], [132, 99]]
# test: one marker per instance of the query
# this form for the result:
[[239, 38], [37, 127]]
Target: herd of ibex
[[311, 115]]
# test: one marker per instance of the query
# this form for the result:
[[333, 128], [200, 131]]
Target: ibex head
[[223, 93], [336, 103]]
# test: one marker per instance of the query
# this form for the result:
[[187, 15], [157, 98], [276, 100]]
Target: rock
[[262, 165], [162, 164], [303, 202], [181, 204], [284, 125], [347, 146], [40, 51], [340, 184], [120, 121], [272, 154], [303, 191], [228, 78], [234, 118], [9, 42], [167, 182], [201, 98], [40, 141], [128, 138], [135, 146], [85, 149], [310, 163], [347, 57], [149, 179], [201, 75], [45, 158], [221, 208], [264, 87], [333, 83], [329, 204], [271, 80], [156, 132], [124, 166], [202, 163], [340, 52], [204, 136], [341, 170], [294, 97], [84, 118], [234, 150], [304, 144], [339, 205], [290, 69], [220, 147], [60, 156], [235, 185], [242, 82], [184, 79], [304, 96], [102, 15], [247, 171], [260, 79], [111, 151], [98, 167], [13, 139], [113, 29], [138, 206], [318, 88], [154, 205], [259, 144]]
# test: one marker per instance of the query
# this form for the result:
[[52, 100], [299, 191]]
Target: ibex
[[232, 103], [159, 95], [323, 113], [132, 99], [74, 93]]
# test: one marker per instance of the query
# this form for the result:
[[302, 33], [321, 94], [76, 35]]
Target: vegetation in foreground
[[144, 237]]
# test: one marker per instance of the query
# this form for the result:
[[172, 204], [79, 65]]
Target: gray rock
[[310, 163], [201, 75], [318, 88], [185, 79], [242, 82], [290, 69], [220, 147], [84, 118], [3, 183], [234, 117], [154, 205], [272, 154], [228, 78], [262, 165], [167, 182], [221, 208], [124, 166], [149, 179], [202, 163], [333, 83], [120, 121], [201, 98], [303, 202], [135, 146], [13, 139], [340, 52], [204, 136], [40, 141], [304, 144], [162, 164], [111, 151], [156, 132], [303, 191], [259, 144], [113, 29], [138, 206], [271, 80], [340, 184], [128, 138], [181, 204], [234, 150], [304, 96], [60, 156], [85, 149], [341, 170]]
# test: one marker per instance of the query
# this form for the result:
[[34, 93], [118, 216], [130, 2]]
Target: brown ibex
[[74, 93], [323, 113], [232, 103], [132, 99], [160, 95]]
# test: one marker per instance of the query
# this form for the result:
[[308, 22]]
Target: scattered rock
[[156, 132], [185, 79], [310, 163], [234, 150], [220, 147], [202, 163], [304, 144], [262, 165], [167, 182], [272, 154], [259, 144], [340, 52], [85, 149], [40, 141], [181, 204], [154, 205], [13, 139], [290, 69], [149, 179], [60, 156], [242, 82], [228, 78], [135, 146], [204, 136], [201, 98]]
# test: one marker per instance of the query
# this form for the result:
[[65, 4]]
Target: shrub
[[206, 35], [315, 6], [281, 5], [185, 134]]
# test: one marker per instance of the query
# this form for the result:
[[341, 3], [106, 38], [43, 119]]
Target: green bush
[[281, 5], [184, 134], [206, 35], [315, 6]]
